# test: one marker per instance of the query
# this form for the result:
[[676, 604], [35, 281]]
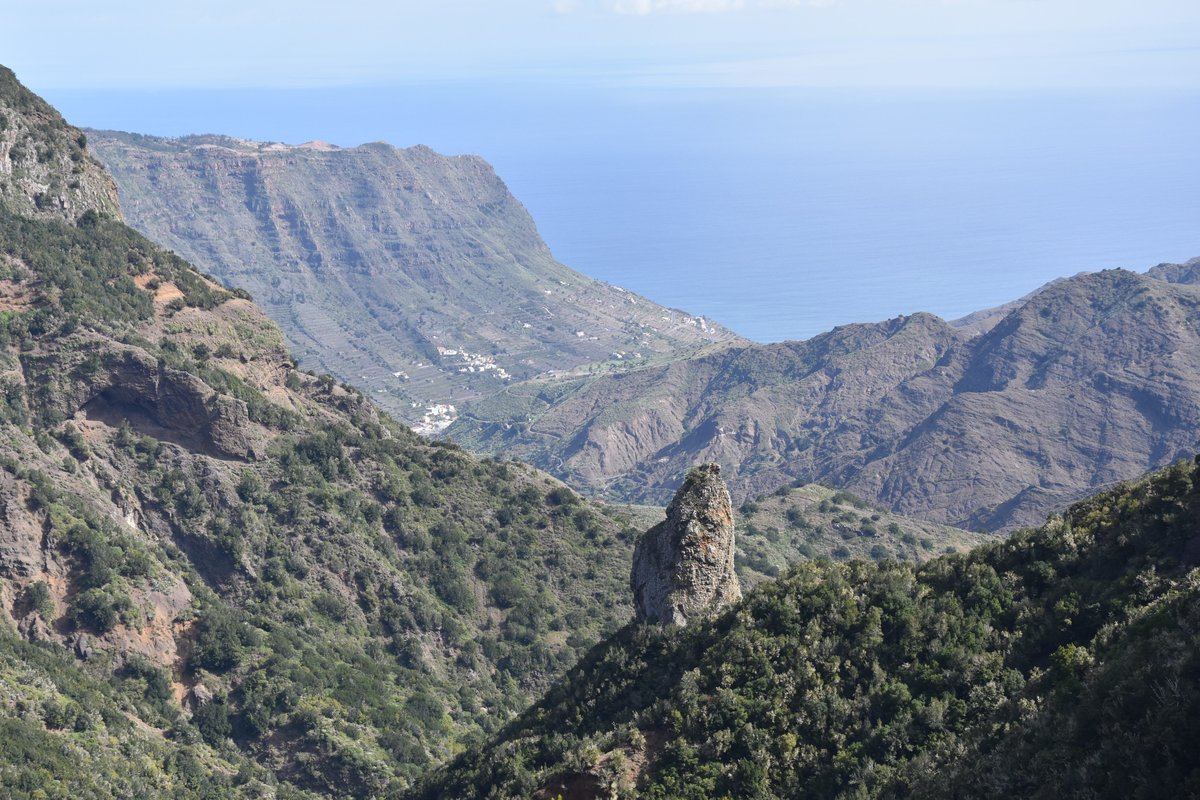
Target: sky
[[213, 44]]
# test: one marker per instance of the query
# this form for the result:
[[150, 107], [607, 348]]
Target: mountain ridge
[[1188, 272], [1069, 391], [416, 276]]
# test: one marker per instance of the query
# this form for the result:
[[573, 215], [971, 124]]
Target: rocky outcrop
[[683, 567], [46, 170], [130, 384], [1188, 272], [181, 405]]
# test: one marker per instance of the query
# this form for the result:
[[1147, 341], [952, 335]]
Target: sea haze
[[778, 212]]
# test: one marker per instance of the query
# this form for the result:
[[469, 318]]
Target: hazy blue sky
[[55, 44]]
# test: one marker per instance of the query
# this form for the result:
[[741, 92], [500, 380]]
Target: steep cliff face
[[415, 276], [683, 568]]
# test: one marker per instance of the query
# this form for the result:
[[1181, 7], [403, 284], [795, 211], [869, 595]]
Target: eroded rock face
[[168, 404], [683, 566]]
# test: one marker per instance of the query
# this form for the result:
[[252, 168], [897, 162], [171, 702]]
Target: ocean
[[779, 213]]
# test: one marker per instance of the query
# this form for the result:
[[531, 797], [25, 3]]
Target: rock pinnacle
[[683, 566]]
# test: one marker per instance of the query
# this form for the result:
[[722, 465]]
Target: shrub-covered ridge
[[1064, 661]]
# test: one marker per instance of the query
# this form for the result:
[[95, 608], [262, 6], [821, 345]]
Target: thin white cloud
[[643, 8]]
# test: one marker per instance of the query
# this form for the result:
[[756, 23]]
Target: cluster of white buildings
[[436, 419], [473, 362]]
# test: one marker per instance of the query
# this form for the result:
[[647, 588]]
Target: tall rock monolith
[[683, 566]]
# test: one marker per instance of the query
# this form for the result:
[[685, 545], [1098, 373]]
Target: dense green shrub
[[38, 598], [218, 643], [212, 721], [101, 609]]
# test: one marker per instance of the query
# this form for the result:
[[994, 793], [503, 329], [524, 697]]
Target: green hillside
[[1063, 662], [797, 524], [239, 570]]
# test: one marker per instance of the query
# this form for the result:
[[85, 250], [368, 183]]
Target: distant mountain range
[[416, 277], [989, 424]]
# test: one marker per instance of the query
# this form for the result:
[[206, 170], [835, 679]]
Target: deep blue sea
[[780, 213]]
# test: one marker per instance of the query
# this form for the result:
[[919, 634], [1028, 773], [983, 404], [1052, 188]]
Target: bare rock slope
[[683, 568]]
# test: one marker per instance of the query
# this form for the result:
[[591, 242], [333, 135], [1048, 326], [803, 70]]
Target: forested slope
[[1063, 662]]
